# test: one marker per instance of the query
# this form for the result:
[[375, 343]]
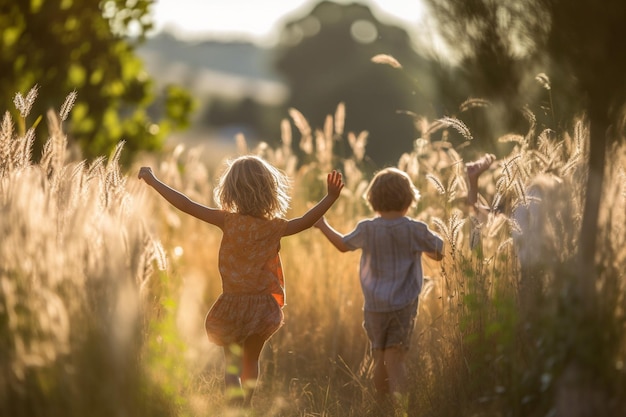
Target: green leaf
[[77, 75], [10, 35], [35, 5]]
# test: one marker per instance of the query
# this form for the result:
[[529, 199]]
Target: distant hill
[[213, 68]]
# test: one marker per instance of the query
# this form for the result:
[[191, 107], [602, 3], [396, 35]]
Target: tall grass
[[105, 286], [76, 263]]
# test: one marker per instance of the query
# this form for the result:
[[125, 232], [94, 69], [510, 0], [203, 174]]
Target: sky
[[258, 20]]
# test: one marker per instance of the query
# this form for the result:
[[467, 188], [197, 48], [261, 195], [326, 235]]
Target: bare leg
[[381, 379], [252, 348], [396, 369]]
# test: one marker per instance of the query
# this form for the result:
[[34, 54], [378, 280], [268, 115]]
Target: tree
[[88, 47], [596, 60], [492, 56], [580, 41], [326, 58], [594, 56]]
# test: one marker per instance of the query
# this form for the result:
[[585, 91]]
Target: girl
[[252, 198]]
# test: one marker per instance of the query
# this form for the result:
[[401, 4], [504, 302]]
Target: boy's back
[[391, 268]]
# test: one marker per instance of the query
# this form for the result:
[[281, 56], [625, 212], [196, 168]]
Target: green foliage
[[164, 345], [499, 47], [590, 56], [88, 47]]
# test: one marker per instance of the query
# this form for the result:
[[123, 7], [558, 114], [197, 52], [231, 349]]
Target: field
[[104, 287]]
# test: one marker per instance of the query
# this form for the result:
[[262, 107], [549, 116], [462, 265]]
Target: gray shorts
[[393, 328]]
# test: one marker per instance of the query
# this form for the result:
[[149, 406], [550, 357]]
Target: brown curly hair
[[391, 190]]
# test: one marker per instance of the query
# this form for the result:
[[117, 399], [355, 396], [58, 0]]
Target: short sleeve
[[356, 239], [428, 241]]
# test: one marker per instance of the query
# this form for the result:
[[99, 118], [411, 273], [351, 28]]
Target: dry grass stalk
[[437, 183], [449, 122], [53, 155], [25, 104], [65, 268], [67, 106], [386, 60], [340, 118], [306, 141], [99, 247], [242, 144], [473, 103], [543, 80], [358, 144]]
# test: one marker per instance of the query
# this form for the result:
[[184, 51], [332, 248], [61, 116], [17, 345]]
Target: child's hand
[[475, 168], [334, 183], [146, 174]]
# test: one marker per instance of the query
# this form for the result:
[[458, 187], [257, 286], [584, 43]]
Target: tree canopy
[[88, 47], [500, 47], [326, 58], [580, 45]]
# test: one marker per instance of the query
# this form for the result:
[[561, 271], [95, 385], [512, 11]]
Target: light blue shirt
[[391, 260]]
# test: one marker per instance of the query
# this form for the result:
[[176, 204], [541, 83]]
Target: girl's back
[[249, 262]]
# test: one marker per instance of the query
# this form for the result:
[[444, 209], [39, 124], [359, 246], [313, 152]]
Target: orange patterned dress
[[253, 286]]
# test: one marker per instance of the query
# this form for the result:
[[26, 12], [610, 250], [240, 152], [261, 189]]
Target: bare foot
[[475, 168]]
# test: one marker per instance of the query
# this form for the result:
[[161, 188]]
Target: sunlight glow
[[258, 21]]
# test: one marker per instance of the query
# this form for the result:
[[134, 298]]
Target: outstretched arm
[[332, 235], [474, 170], [181, 201], [334, 184]]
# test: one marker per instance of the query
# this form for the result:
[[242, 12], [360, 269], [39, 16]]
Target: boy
[[390, 273]]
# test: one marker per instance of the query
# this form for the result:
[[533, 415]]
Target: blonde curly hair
[[253, 187]]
